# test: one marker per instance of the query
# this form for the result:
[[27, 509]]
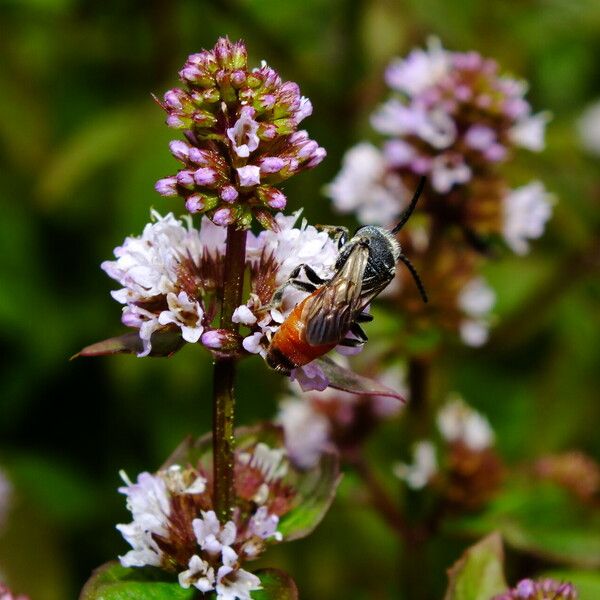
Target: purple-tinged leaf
[[164, 343], [276, 585], [347, 380]]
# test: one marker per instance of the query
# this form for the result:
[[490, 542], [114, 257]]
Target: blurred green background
[[82, 144]]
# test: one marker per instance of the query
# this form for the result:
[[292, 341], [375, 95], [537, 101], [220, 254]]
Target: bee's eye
[[342, 240]]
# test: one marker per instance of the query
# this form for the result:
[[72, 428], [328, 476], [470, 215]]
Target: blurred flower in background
[[543, 589], [455, 118], [6, 491]]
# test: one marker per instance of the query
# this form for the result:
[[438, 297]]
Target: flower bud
[[272, 197], [186, 179], [223, 216], [272, 164], [229, 194], [166, 186], [195, 203], [205, 176], [180, 150]]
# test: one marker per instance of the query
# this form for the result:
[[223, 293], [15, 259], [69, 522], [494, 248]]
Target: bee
[[365, 266]]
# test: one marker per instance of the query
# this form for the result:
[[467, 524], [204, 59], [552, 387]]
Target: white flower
[[242, 314], [184, 313], [210, 536], [474, 332], [249, 175], [526, 210], [154, 267], [199, 574], [424, 467], [588, 127], [264, 525], [149, 503], [310, 377], [243, 134], [438, 129], [458, 422], [175, 478], [364, 185], [420, 70], [476, 300], [234, 584], [306, 431], [448, 170], [271, 462], [529, 132]]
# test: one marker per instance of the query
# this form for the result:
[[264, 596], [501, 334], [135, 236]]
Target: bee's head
[[381, 242]]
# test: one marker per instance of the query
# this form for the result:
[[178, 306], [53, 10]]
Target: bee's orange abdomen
[[289, 348]]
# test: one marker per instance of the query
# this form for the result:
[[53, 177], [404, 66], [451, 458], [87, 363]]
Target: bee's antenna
[[409, 209], [415, 275]]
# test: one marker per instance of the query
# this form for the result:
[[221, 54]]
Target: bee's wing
[[337, 304]]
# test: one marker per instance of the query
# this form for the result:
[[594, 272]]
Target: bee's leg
[[357, 330], [351, 343], [312, 276], [304, 286], [364, 318]]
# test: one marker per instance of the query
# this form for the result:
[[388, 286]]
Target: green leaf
[[545, 521], [111, 581], [347, 380], [479, 572], [277, 585], [164, 343]]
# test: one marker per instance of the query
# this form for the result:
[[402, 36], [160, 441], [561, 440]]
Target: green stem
[[224, 377]]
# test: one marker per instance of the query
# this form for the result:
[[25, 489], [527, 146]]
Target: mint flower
[[542, 589], [526, 210], [422, 470], [476, 299], [174, 525], [458, 422], [241, 135], [453, 117], [315, 421], [170, 276]]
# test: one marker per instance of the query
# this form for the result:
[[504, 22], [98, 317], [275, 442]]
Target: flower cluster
[[543, 589], [174, 526], [453, 118], [242, 137], [172, 276], [469, 471], [315, 421]]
